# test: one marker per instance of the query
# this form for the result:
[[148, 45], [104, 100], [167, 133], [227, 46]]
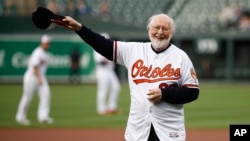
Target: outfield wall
[[228, 55], [15, 51]]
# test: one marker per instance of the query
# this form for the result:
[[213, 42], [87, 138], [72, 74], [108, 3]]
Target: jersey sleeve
[[124, 51], [189, 78], [34, 58]]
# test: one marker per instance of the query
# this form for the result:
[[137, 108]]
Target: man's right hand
[[72, 23]]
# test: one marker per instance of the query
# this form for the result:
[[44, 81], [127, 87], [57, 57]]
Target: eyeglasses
[[157, 28]]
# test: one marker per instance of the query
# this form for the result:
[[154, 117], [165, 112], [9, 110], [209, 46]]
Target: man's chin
[[159, 48], [160, 45]]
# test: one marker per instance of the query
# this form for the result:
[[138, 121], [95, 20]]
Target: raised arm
[[99, 43]]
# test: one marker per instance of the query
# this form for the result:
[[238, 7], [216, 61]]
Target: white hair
[[152, 18]]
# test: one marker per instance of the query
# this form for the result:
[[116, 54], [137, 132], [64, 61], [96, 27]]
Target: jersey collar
[[161, 50]]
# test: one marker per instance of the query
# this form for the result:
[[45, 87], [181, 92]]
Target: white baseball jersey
[[108, 85], [99, 58], [147, 70], [39, 58]]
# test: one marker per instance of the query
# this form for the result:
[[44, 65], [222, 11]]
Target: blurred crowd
[[235, 16], [72, 8], [17, 7], [232, 15]]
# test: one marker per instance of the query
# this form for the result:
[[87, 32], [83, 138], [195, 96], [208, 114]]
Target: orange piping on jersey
[[137, 81], [115, 52]]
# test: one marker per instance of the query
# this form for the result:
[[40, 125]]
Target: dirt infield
[[42, 134]]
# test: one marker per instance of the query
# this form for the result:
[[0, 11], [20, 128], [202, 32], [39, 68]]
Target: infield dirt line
[[80, 134]]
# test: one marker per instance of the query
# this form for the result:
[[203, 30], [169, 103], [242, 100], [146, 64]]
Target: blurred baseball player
[[108, 85], [35, 80], [161, 79]]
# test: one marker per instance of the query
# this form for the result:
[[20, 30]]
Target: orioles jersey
[[146, 70]]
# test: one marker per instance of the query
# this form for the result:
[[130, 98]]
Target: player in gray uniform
[[35, 80], [161, 79]]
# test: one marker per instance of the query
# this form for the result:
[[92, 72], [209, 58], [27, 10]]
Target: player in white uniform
[[161, 79], [108, 85], [35, 80]]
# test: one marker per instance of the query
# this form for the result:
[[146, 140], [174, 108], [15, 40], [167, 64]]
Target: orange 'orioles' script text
[[149, 74]]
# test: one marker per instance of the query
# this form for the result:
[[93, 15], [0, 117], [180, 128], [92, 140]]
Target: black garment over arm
[[98, 42], [179, 95]]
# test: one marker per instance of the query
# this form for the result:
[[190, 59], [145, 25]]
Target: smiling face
[[160, 31]]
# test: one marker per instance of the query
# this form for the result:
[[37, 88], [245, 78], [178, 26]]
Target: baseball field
[[73, 108]]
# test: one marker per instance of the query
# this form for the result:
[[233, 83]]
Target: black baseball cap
[[41, 18]]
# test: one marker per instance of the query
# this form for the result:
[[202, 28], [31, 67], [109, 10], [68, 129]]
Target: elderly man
[[161, 79]]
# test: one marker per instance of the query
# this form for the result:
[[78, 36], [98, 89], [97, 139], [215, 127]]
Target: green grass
[[218, 106]]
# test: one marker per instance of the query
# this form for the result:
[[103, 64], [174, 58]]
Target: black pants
[[152, 135]]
